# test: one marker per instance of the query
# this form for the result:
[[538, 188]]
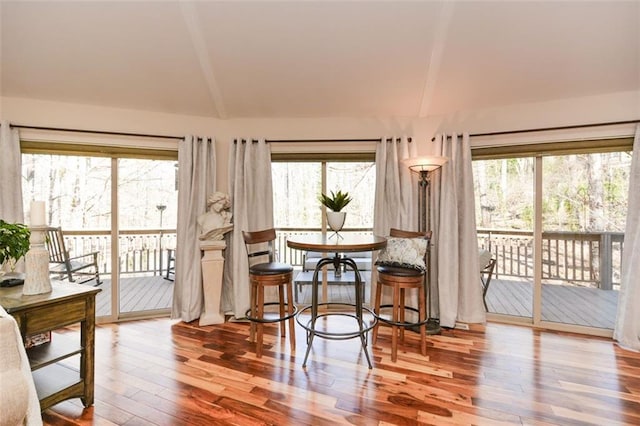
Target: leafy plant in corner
[[14, 242], [336, 202]]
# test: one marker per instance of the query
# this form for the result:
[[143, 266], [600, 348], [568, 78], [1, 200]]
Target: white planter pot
[[336, 220]]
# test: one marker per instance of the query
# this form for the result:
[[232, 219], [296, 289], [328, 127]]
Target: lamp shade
[[425, 163]]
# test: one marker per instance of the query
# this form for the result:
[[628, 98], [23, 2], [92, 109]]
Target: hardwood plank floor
[[162, 372]]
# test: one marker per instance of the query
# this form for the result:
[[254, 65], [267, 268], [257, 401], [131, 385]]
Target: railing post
[[606, 250]]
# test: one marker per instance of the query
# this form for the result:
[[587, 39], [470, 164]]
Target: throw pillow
[[404, 252]]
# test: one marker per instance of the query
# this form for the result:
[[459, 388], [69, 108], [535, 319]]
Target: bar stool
[[267, 273], [401, 278]]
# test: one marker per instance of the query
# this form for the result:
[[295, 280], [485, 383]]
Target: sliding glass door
[[147, 218], [504, 217], [135, 246], [554, 221], [584, 212]]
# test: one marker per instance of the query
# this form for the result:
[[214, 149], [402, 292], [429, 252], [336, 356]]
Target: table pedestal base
[[311, 325]]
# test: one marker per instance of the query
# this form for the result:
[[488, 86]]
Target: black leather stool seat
[[270, 268], [399, 271]]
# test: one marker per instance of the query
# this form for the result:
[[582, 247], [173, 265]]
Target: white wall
[[601, 108]]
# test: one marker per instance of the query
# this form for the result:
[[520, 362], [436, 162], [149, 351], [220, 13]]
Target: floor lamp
[[424, 166]]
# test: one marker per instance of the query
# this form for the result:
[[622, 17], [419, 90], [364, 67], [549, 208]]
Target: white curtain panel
[[454, 260], [627, 329], [196, 181], [10, 175], [252, 204], [395, 204]]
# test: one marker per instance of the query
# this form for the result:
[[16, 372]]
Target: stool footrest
[[400, 324], [272, 320]]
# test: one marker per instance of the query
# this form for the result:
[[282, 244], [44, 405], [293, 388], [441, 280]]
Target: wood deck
[[569, 305], [584, 306], [137, 294]]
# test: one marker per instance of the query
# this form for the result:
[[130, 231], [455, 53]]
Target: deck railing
[[589, 258], [140, 251], [295, 257]]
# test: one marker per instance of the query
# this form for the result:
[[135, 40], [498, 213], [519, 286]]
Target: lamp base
[[37, 279], [432, 327]]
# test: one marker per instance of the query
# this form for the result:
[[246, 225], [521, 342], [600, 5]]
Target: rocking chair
[[79, 269]]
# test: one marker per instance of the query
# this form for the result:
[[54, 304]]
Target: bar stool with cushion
[[265, 272], [401, 266]]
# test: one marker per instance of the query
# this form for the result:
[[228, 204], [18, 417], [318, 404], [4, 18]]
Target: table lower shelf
[[56, 383]]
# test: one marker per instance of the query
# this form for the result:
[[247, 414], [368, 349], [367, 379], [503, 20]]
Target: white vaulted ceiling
[[317, 58]]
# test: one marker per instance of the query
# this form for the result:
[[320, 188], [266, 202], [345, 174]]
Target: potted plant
[[14, 244], [335, 203]]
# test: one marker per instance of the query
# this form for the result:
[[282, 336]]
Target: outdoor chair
[[171, 265], [487, 264], [78, 269]]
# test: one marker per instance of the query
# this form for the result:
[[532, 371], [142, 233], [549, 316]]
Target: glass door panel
[[147, 219], [296, 186], [359, 180], [584, 214], [77, 194], [504, 198]]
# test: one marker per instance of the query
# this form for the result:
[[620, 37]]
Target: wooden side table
[[52, 364]]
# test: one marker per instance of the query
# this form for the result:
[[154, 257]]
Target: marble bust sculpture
[[217, 220]]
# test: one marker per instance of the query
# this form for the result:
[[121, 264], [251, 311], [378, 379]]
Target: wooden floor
[[159, 372], [565, 304], [137, 294]]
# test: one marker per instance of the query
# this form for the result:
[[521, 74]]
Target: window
[[297, 185]]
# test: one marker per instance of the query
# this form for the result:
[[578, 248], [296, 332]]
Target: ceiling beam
[[435, 60], [193, 26]]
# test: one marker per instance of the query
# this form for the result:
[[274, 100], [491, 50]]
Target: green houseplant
[[14, 243], [335, 203]]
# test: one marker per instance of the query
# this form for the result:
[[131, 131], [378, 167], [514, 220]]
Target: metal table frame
[[337, 247]]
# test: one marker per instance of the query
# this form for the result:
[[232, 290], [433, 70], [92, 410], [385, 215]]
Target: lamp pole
[[423, 201], [423, 166]]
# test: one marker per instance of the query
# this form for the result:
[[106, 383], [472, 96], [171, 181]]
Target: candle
[[37, 213]]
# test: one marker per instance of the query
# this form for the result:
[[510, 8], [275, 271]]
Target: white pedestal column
[[212, 268]]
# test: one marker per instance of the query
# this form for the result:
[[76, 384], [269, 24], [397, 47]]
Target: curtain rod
[[543, 129], [98, 132], [329, 140]]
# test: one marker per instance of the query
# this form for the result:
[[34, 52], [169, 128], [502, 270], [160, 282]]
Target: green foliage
[[14, 242], [336, 202]]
